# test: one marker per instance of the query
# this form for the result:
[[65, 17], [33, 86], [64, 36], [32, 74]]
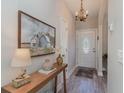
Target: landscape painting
[[36, 35]]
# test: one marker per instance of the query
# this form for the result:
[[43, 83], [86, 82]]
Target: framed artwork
[[36, 35]]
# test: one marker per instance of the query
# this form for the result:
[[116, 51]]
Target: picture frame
[[36, 35]]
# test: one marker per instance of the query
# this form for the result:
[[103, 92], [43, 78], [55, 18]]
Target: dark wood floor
[[79, 84]]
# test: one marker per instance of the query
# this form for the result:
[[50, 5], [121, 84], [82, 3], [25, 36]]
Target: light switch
[[111, 29], [120, 56]]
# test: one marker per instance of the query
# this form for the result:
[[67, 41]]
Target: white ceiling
[[91, 5]]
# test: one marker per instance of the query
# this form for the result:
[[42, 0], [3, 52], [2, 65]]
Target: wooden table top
[[38, 80]]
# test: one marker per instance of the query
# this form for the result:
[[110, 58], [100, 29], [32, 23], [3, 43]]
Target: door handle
[[94, 50]]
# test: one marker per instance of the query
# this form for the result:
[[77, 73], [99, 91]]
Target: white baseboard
[[100, 73]]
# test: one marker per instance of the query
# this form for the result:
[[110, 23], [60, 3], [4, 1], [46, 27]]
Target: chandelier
[[82, 14]]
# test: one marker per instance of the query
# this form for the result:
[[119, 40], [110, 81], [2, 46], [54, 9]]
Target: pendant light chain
[[81, 4]]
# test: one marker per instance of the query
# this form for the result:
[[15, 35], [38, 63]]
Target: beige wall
[[90, 23], [115, 42], [63, 11], [105, 35], [44, 10], [105, 29]]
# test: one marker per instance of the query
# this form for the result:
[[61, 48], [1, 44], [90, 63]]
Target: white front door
[[86, 48]]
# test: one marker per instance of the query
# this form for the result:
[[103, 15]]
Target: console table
[[38, 80]]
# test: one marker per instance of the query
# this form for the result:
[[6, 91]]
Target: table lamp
[[21, 59]]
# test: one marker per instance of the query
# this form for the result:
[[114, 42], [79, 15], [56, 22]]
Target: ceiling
[[91, 5]]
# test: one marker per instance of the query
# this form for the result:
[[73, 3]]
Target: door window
[[86, 45]]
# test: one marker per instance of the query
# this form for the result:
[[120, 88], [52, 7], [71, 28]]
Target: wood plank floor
[[81, 84]]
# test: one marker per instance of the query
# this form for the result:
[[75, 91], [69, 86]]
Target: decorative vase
[[47, 65], [59, 60]]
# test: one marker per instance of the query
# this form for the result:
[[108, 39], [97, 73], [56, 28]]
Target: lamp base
[[21, 80], [23, 75]]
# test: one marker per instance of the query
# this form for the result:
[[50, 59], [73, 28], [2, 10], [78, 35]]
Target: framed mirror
[[36, 35]]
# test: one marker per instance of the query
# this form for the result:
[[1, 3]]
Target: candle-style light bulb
[[86, 12], [76, 13]]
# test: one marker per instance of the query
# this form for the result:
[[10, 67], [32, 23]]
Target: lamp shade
[[21, 58]]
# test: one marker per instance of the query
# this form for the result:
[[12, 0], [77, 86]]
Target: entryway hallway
[[82, 84]]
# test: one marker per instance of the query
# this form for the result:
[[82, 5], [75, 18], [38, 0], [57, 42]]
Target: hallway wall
[[44, 10], [105, 35], [64, 11], [90, 23], [115, 43]]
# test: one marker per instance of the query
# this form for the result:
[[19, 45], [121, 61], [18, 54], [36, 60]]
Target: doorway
[[86, 48]]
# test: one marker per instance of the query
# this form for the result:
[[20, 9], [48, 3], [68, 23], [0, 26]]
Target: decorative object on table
[[18, 82], [46, 71], [22, 59], [36, 35], [82, 14], [59, 60], [47, 65]]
